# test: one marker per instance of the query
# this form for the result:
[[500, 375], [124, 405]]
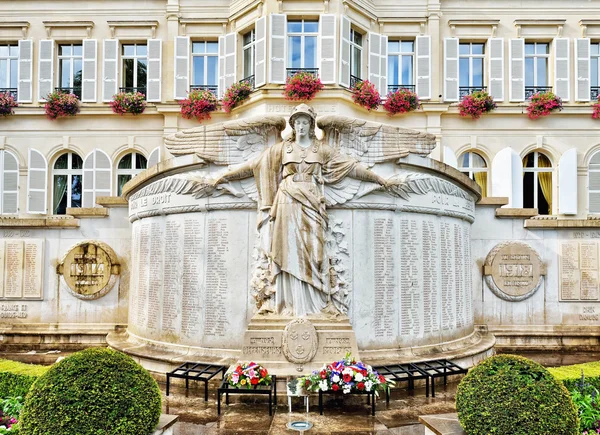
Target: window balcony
[[530, 90], [73, 90], [594, 92], [463, 91], [211, 88], [394, 88], [140, 89], [250, 80], [293, 71], [354, 81], [10, 91]]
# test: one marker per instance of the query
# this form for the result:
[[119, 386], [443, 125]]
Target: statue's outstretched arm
[[244, 171], [361, 173]]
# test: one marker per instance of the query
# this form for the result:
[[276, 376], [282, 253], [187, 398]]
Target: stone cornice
[[23, 26], [149, 24], [51, 25]]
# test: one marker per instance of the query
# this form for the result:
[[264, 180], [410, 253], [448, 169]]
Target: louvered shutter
[[277, 50], [181, 75], [383, 61], [567, 182], [423, 53], [582, 69], [10, 183], [154, 157], [37, 183], [110, 69], [260, 52], [594, 184], [229, 60], [375, 60], [221, 66], [25, 73], [450, 69], [345, 27], [517, 69], [496, 68], [97, 176], [45, 68], [90, 68], [327, 43], [88, 181], [154, 79], [561, 68]]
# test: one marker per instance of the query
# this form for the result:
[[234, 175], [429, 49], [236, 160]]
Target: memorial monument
[[303, 249]]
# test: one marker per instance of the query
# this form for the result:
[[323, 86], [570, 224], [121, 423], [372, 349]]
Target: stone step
[[442, 424]]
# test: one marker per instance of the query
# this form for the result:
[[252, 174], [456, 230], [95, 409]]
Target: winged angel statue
[[293, 182]]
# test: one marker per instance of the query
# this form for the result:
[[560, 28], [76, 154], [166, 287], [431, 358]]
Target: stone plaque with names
[[155, 271], [410, 278], [217, 286], [447, 253], [22, 268], [431, 258], [385, 277], [579, 270], [193, 260]]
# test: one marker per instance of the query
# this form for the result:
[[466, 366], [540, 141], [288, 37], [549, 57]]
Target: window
[[9, 59], [401, 55], [536, 68], [302, 45], [356, 41], [129, 166], [66, 181], [473, 166], [594, 70], [594, 184], [70, 61], [249, 53], [135, 65], [205, 63], [470, 67], [537, 182]]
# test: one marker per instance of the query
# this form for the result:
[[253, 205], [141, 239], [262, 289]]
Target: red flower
[[360, 386], [302, 86], [236, 94], [254, 381], [347, 378], [323, 374], [401, 101], [476, 104], [335, 387], [363, 372], [198, 105], [307, 382], [542, 103], [366, 95], [263, 373], [381, 379]]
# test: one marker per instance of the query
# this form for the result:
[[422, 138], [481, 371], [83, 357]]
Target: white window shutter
[[567, 182], [375, 59], [451, 69], [423, 54], [594, 184], [90, 68], [383, 66], [88, 181], [277, 48], [230, 60], [181, 75], [507, 177], [327, 45], [221, 66], [110, 69], [154, 79], [45, 69], [154, 157], [345, 27], [25, 73], [516, 54], [260, 52], [582, 69], [37, 183], [450, 157], [102, 175], [10, 183], [561, 68], [496, 68]]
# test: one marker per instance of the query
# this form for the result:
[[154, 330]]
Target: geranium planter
[[302, 86], [7, 104], [401, 101], [128, 102], [60, 104], [596, 107], [476, 104], [542, 104], [236, 94], [366, 95], [199, 104]]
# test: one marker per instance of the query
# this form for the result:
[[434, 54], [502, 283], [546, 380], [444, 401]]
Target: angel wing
[[404, 186], [227, 143], [372, 142]]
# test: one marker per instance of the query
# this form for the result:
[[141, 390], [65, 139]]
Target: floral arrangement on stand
[[59, 104], [365, 94], [199, 104], [476, 104], [302, 86], [596, 107], [346, 375], [401, 101], [249, 375], [128, 102], [7, 104], [542, 104], [236, 94]]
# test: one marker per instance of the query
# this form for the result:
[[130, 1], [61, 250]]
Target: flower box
[[476, 104], [366, 95], [199, 104], [7, 104], [61, 104], [128, 102], [302, 86], [401, 101], [596, 107], [542, 104], [236, 94]]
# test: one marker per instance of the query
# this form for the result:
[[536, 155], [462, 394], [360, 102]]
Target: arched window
[[66, 182], [537, 182], [129, 166], [594, 184], [473, 166]]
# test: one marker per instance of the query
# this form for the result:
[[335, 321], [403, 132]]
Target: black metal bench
[[441, 368], [370, 397], [403, 373], [227, 389], [196, 372]]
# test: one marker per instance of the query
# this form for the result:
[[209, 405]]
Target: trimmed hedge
[[16, 378], [570, 376], [509, 394], [97, 391]]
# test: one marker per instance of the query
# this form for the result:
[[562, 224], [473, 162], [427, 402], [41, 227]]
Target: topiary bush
[[96, 391], [16, 378], [508, 394], [570, 376]]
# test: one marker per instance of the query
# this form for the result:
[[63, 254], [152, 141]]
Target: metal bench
[[196, 372], [270, 390], [441, 368], [403, 373]]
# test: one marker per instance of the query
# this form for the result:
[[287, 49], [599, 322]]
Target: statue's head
[[303, 121]]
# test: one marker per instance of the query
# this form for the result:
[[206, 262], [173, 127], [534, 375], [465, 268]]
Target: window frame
[[205, 54], [353, 46], [536, 170], [470, 170], [135, 57], [9, 60], [472, 56], [251, 46], [535, 56], [71, 57], [597, 58], [129, 171], [69, 172], [400, 54], [302, 34]]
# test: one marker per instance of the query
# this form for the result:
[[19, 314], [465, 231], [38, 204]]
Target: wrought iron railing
[[463, 91], [10, 91], [530, 90], [72, 90], [594, 92], [250, 80], [293, 71], [354, 81], [211, 88], [394, 88], [140, 89]]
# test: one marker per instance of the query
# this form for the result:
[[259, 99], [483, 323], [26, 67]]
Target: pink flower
[[476, 104], [7, 103], [302, 86], [542, 103], [59, 104], [236, 94], [366, 95], [198, 105], [128, 102], [401, 101]]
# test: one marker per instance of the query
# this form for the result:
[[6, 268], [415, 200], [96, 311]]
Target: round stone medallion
[[300, 341]]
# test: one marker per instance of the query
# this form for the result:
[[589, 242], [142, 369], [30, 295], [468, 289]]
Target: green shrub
[[16, 378], [570, 376], [96, 391], [508, 394]]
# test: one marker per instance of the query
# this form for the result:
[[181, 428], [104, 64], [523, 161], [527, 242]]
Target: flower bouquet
[[476, 104], [249, 375], [302, 86], [542, 103], [59, 104], [198, 105], [346, 375], [128, 102], [7, 103], [401, 101], [236, 94], [596, 107], [366, 95]]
